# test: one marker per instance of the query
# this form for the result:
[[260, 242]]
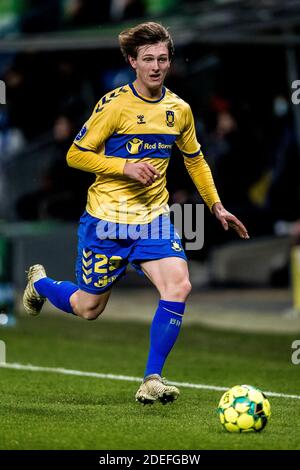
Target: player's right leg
[[88, 306], [101, 262], [32, 301], [64, 295]]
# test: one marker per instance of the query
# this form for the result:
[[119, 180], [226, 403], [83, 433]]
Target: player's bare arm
[[229, 220]]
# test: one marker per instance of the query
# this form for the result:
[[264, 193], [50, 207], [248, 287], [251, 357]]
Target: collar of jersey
[[148, 100]]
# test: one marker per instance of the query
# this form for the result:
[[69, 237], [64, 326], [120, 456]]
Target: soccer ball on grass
[[244, 408]]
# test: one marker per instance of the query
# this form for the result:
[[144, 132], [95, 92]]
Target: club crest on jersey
[[134, 146], [140, 119], [176, 246], [170, 118], [81, 133]]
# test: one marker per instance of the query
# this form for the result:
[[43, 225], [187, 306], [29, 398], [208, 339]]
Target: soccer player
[[127, 143]]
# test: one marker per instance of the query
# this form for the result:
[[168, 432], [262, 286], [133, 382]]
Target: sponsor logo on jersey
[[140, 119], [81, 133], [104, 281], [134, 146], [170, 118]]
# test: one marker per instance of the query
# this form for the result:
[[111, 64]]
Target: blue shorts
[[105, 249]]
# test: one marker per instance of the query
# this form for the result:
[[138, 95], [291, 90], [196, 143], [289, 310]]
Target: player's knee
[[91, 312], [185, 288], [178, 291]]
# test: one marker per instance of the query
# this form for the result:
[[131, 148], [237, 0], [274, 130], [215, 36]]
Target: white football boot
[[32, 301], [154, 388]]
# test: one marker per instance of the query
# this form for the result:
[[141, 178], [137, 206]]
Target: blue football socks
[[163, 334], [58, 292]]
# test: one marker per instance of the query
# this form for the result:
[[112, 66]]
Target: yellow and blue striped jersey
[[127, 127]]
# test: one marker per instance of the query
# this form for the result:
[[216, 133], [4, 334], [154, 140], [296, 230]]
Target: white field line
[[97, 375]]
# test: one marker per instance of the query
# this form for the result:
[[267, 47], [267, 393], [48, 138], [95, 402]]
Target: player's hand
[[229, 220], [143, 172]]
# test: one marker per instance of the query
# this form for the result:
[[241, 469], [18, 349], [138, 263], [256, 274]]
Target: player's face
[[151, 65]]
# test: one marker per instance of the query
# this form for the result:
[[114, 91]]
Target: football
[[244, 408]]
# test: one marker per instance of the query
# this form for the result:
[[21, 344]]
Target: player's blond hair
[[141, 35]]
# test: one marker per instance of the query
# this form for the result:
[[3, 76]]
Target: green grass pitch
[[41, 410]]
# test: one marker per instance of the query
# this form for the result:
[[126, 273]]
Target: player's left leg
[[171, 278]]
